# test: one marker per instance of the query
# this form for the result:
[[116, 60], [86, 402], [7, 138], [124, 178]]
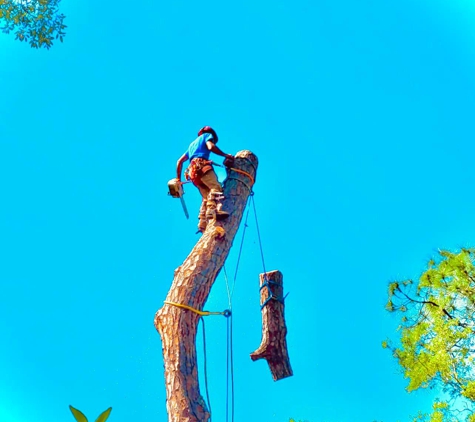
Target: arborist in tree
[[202, 175]]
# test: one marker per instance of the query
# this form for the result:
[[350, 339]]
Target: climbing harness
[[200, 166], [197, 168]]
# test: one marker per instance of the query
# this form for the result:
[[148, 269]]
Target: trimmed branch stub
[[273, 346], [191, 286]]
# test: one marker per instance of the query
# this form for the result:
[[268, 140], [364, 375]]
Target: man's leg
[[202, 223], [215, 196]]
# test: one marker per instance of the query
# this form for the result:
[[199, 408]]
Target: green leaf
[[78, 415], [104, 415]]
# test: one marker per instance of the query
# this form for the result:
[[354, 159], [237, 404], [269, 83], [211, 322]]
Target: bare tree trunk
[[273, 346], [191, 286]]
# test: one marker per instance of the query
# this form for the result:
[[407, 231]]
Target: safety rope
[[231, 291], [267, 283], [229, 368], [205, 367], [259, 236]]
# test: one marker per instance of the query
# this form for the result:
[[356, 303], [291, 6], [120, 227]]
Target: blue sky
[[361, 114]]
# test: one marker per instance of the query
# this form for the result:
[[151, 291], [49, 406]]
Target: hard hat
[[208, 129]]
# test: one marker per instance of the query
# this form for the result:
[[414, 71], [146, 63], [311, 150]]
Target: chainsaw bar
[[184, 206]]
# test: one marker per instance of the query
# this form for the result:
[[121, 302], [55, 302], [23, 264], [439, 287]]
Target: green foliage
[[436, 347], [79, 416], [37, 22]]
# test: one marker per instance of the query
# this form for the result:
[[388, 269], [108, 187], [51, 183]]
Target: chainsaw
[[175, 190]]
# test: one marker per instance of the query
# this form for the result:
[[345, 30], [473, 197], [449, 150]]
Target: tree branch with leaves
[[37, 22], [436, 347]]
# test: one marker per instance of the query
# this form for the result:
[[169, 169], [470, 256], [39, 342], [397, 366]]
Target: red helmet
[[210, 130]]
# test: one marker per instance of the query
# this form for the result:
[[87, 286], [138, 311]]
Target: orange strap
[[243, 172]]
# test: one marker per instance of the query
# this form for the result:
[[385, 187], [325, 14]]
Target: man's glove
[[229, 161]]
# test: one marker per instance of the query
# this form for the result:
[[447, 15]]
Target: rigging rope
[[229, 368], [259, 237], [229, 327], [267, 282], [205, 368]]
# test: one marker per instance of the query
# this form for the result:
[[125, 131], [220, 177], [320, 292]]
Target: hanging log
[[273, 346], [190, 287]]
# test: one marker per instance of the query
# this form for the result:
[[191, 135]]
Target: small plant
[[79, 416]]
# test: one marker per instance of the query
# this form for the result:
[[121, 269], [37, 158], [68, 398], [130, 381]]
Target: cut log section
[[273, 346]]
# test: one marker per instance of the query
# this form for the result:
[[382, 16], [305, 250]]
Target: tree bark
[[191, 286], [273, 346]]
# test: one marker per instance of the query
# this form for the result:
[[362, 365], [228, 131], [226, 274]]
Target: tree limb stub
[[191, 286], [273, 346]]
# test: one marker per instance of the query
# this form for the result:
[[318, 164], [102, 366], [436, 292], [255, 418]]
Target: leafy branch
[[436, 346], [37, 22]]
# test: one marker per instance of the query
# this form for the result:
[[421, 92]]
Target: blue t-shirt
[[198, 148]]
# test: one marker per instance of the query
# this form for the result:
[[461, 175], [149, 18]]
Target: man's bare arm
[[179, 165], [213, 148]]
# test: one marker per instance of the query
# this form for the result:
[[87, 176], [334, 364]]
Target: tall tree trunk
[[191, 286]]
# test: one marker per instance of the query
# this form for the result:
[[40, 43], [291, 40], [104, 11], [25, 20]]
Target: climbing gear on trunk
[[270, 294], [175, 190], [245, 173], [225, 313]]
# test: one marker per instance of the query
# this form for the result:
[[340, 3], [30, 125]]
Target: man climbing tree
[[201, 173], [35, 21], [437, 344]]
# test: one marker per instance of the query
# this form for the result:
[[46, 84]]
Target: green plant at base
[[80, 417]]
